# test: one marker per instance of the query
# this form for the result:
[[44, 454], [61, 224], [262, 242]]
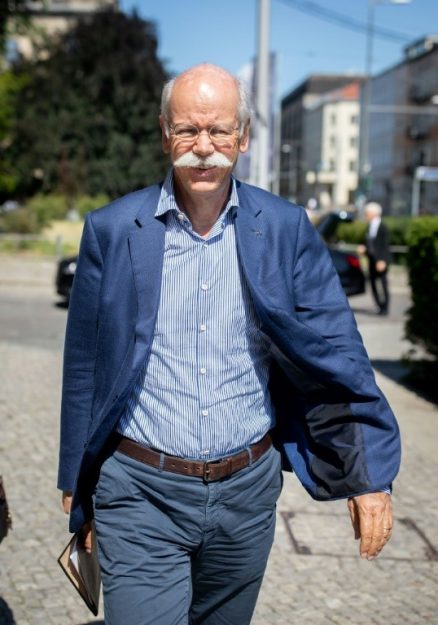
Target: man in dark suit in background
[[379, 256]]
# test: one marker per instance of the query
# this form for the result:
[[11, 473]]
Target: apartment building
[[309, 143], [403, 129], [52, 17], [331, 147]]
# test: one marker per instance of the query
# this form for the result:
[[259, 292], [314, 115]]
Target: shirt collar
[[375, 223], [167, 201]]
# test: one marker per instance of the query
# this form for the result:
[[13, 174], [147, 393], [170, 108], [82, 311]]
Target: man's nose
[[203, 144]]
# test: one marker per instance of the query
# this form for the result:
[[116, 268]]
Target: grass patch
[[68, 232], [39, 247]]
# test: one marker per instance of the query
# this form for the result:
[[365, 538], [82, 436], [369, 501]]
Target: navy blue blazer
[[335, 428]]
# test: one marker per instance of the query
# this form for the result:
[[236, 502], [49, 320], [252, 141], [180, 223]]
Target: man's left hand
[[371, 517]]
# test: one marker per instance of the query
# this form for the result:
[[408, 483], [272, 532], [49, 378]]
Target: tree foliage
[[10, 87], [421, 325], [87, 119], [15, 9]]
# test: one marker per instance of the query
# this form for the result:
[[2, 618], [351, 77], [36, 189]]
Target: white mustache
[[213, 160]]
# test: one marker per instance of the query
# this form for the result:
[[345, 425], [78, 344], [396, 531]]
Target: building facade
[[331, 147], [304, 131], [403, 129], [53, 17]]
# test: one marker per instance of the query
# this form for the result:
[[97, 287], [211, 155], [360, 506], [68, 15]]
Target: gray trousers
[[175, 550]]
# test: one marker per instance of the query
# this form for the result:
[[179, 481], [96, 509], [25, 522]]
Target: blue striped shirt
[[204, 391]]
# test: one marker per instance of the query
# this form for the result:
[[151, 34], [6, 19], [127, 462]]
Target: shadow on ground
[[6, 615], [358, 310], [61, 304], [393, 369]]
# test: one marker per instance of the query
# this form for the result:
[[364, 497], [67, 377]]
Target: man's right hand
[[67, 497]]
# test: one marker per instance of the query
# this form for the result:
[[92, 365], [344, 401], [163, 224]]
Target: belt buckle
[[207, 471]]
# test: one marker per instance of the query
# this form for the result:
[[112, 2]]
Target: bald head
[[206, 82]]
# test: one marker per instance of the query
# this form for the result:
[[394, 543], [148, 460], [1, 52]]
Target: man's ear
[[244, 140], [165, 136]]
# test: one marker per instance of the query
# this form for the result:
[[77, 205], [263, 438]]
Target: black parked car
[[346, 263], [64, 276]]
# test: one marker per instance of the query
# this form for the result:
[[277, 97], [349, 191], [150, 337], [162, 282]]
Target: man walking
[[206, 320], [379, 256]]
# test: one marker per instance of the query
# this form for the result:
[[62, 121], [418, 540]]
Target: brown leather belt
[[209, 471]]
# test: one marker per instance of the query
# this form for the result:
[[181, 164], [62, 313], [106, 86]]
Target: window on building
[[353, 166], [353, 142], [333, 119], [354, 119], [332, 165], [332, 141]]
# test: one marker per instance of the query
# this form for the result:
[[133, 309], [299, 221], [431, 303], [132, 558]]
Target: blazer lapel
[[146, 245], [250, 237]]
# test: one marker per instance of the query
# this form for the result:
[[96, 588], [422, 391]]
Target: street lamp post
[[262, 101], [365, 165]]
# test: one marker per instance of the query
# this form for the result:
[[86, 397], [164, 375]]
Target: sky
[[224, 32]]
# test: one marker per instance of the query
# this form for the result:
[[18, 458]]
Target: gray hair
[[373, 207], [243, 112]]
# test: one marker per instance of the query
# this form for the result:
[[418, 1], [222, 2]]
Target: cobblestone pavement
[[314, 575]]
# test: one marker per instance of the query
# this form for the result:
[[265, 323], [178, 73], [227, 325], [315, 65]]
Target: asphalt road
[[32, 316]]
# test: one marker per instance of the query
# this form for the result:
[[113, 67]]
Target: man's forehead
[[203, 93], [206, 84]]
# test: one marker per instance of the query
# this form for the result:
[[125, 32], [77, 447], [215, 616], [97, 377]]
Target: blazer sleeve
[[352, 442], [320, 301], [79, 357]]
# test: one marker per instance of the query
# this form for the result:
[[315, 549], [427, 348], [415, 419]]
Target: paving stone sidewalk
[[314, 575]]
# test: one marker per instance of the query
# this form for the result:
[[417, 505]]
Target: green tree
[[10, 87], [11, 10], [86, 121]]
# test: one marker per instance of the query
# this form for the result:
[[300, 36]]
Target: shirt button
[[180, 217], [203, 327], [203, 370], [204, 286], [204, 413]]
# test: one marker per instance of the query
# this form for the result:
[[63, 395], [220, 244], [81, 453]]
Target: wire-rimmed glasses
[[219, 134]]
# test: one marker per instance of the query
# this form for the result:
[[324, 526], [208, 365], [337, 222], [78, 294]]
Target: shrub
[[352, 232], [422, 259], [45, 208], [87, 203], [355, 232], [20, 221], [398, 227], [41, 209]]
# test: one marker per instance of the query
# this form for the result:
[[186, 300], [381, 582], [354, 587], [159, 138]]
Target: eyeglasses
[[219, 135]]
